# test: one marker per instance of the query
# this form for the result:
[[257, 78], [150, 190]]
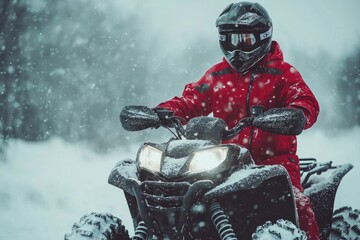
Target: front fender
[[321, 189], [254, 195], [123, 170], [245, 179]]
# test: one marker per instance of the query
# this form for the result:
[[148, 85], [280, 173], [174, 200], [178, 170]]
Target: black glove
[[286, 121], [136, 118]]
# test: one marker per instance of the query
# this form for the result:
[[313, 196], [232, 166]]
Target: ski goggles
[[238, 40], [242, 41]]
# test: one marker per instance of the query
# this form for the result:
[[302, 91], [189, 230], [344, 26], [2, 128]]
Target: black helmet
[[245, 34]]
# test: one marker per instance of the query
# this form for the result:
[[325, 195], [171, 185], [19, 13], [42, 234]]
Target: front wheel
[[281, 230], [98, 226], [346, 224]]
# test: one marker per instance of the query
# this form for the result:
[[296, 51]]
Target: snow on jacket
[[230, 95]]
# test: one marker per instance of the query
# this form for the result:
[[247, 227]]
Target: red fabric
[[229, 95], [225, 95], [306, 215]]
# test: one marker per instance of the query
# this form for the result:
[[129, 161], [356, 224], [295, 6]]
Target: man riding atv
[[252, 78]]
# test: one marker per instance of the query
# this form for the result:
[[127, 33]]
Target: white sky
[[329, 26]]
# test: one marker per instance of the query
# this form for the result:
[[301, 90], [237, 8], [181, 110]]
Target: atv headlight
[[207, 159], [150, 158]]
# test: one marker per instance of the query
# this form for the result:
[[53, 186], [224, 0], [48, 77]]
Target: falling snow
[[65, 74]]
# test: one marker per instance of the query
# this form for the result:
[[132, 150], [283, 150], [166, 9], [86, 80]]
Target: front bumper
[[165, 206]]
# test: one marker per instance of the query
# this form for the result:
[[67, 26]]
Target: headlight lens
[[207, 159], [150, 158]]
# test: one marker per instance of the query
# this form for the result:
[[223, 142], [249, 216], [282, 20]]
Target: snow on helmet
[[245, 34]]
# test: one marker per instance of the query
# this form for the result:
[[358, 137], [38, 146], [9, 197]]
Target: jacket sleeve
[[295, 93], [195, 100]]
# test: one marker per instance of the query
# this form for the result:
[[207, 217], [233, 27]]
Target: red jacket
[[229, 95]]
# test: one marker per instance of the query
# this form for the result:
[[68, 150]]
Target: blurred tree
[[348, 86], [16, 115], [84, 65]]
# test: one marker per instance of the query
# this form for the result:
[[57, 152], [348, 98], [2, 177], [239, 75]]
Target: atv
[[194, 187]]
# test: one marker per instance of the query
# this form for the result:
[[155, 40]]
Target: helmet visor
[[241, 40]]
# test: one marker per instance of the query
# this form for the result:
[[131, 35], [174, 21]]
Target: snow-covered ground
[[46, 187]]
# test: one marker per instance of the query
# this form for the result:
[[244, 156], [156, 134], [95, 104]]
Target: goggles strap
[[266, 34]]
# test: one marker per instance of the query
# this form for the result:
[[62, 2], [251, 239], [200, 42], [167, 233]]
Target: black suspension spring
[[141, 232], [221, 222]]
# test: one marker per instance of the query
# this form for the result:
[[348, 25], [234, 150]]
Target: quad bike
[[194, 187]]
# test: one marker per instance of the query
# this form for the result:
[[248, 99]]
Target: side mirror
[[285, 121], [136, 118]]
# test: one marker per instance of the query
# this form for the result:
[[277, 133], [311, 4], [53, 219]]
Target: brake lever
[[228, 134]]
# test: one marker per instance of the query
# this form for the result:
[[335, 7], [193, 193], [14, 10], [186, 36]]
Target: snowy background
[[46, 187], [79, 67]]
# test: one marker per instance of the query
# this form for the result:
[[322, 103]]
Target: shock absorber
[[221, 222], [141, 232]]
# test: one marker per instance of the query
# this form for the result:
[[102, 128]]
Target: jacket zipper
[[252, 78]]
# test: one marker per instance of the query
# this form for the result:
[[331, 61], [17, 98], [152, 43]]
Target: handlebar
[[285, 121]]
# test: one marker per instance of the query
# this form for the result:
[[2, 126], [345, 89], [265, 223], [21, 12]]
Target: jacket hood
[[275, 53]]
